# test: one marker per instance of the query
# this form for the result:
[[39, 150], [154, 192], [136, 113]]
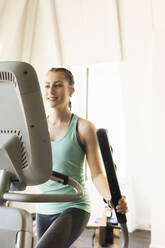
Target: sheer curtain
[[59, 32], [28, 33]]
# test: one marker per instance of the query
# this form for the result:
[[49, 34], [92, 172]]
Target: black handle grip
[[102, 136], [61, 178]]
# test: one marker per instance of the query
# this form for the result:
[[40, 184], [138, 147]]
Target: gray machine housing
[[25, 152], [24, 138]]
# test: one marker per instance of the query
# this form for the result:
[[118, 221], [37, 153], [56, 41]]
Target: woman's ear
[[72, 90]]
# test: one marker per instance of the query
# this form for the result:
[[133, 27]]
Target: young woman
[[59, 224]]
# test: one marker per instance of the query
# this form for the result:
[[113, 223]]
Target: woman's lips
[[52, 99]]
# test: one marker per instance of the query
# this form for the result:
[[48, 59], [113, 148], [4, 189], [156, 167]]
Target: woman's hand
[[122, 205]]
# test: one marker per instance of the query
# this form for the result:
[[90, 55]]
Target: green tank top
[[68, 158]]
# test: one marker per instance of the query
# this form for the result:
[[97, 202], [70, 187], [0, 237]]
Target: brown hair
[[68, 76], [67, 73]]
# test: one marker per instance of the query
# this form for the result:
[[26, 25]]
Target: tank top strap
[[73, 122]]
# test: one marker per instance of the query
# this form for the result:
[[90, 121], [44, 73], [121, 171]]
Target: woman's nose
[[52, 89]]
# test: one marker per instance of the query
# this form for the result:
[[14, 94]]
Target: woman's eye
[[54, 86], [58, 85]]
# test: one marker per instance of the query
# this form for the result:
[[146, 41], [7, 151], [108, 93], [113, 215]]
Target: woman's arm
[[87, 133]]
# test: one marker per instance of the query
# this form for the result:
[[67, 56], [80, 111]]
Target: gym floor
[[137, 239]]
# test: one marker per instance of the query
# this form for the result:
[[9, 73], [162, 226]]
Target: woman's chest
[[57, 132]]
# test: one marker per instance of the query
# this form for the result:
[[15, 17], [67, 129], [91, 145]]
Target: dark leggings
[[61, 230]]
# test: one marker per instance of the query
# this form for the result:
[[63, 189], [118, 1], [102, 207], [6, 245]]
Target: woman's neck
[[58, 116]]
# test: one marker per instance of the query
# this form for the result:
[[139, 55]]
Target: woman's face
[[57, 89]]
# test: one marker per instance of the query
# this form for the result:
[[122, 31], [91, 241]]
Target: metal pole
[[86, 114]]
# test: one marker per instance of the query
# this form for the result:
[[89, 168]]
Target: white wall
[[136, 24], [105, 110], [158, 202]]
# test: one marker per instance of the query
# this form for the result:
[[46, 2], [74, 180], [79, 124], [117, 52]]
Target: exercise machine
[[25, 153], [106, 151]]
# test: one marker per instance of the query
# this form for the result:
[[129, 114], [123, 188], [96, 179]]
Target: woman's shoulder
[[86, 124], [86, 128]]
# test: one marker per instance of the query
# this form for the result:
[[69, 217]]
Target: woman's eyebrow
[[58, 81]]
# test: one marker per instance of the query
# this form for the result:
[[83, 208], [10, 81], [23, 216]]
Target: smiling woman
[[72, 138], [58, 86]]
